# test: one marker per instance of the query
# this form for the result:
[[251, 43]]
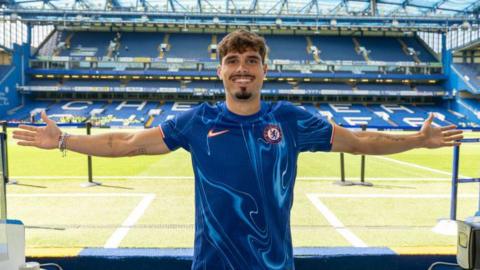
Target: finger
[[45, 117], [19, 136], [448, 127], [452, 132], [24, 138], [24, 133], [454, 138], [430, 118], [31, 128], [24, 143]]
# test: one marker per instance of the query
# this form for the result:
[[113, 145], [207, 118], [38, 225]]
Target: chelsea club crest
[[272, 134]]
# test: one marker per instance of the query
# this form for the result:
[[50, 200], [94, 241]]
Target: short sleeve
[[313, 132], [175, 131]]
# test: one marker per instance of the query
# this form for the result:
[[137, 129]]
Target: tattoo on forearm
[[379, 137], [138, 151], [110, 141]]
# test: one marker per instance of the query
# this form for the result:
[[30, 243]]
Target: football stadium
[[122, 65]]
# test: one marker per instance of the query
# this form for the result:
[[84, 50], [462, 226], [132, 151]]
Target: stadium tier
[[471, 73], [301, 48], [151, 114]]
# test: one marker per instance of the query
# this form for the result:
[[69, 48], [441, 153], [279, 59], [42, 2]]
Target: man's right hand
[[42, 137]]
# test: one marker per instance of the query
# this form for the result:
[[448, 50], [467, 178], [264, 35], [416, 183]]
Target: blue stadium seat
[[425, 55], [333, 48], [352, 115], [98, 40], [123, 110], [470, 71], [189, 46], [138, 44], [287, 47], [384, 49], [23, 114], [76, 108]]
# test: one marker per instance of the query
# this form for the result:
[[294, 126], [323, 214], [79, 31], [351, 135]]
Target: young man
[[244, 154]]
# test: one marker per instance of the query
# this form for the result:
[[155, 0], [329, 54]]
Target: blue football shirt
[[245, 169]]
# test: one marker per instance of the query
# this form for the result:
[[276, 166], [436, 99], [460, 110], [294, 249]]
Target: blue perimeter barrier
[[325, 258], [456, 180]]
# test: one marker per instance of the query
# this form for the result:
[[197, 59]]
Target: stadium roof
[[281, 7]]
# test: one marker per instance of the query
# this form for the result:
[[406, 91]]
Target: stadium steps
[[405, 50], [359, 51], [149, 121], [49, 44], [309, 51], [58, 50], [113, 47], [213, 56], [390, 122], [161, 55]]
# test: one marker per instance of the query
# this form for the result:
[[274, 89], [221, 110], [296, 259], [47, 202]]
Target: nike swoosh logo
[[211, 133]]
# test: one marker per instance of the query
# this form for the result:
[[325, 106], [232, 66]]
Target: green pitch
[[151, 199]]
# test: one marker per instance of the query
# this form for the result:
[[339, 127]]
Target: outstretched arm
[[377, 143], [112, 144]]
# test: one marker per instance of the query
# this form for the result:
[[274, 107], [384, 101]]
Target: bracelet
[[62, 143]]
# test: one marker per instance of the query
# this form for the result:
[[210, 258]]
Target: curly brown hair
[[240, 41]]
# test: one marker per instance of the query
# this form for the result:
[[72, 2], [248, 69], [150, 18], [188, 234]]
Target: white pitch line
[[393, 196], [335, 222], [314, 178], [78, 194], [100, 177], [419, 166], [135, 215]]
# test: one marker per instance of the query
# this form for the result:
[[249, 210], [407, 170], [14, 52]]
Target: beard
[[243, 94]]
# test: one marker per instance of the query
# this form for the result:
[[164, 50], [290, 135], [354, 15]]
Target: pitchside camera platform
[[12, 232], [468, 245]]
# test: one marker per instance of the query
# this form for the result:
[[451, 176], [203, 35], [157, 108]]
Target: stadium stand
[[423, 53], [336, 48], [377, 49], [148, 113], [86, 43], [287, 47], [181, 46], [150, 44], [471, 73]]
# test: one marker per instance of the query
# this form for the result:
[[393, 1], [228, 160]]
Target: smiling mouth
[[242, 79]]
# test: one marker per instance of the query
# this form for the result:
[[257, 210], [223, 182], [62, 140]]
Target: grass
[[71, 220]]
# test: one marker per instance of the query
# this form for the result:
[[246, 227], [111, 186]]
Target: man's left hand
[[435, 137]]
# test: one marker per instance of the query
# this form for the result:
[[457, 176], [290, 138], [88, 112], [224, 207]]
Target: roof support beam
[[50, 4], [337, 8], [211, 6], [282, 7], [308, 8], [112, 5], [81, 3], [199, 5], [435, 6], [473, 8], [173, 5], [253, 5], [373, 7], [402, 6]]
